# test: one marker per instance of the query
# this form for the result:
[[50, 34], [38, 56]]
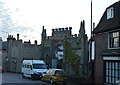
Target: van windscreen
[[39, 66]]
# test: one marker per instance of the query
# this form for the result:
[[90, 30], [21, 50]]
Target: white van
[[33, 68]]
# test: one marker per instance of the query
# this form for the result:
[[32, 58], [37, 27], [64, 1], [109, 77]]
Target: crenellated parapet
[[75, 36], [11, 37], [49, 37], [62, 29], [61, 32]]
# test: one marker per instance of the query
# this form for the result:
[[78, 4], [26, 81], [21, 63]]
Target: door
[[28, 70], [47, 75]]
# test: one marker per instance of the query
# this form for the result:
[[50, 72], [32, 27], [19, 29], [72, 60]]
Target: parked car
[[1, 69], [55, 76]]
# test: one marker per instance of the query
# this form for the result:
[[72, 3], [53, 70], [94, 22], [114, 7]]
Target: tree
[[68, 54], [70, 58]]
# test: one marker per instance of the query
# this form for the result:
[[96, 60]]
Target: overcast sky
[[27, 17]]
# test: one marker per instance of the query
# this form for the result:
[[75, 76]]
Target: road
[[16, 79]]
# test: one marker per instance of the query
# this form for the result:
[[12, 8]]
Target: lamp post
[[91, 18], [91, 49]]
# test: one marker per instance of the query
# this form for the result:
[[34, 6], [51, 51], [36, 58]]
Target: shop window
[[112, 72]]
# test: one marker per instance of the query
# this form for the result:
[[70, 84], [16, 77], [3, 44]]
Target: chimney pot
[[17, 36], [35, 42]]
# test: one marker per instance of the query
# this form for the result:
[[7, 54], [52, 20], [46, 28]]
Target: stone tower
[[43, 38], [83, 39]]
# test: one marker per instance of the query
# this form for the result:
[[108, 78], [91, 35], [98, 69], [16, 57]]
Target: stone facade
[[78, 42], [16, 51], [51, 49]]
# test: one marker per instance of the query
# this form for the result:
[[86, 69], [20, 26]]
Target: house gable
[[109, 24]]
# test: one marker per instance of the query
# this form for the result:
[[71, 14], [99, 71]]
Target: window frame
[[111, 44], [110, 13], [112, 74]]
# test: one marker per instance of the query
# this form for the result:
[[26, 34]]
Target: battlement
[[75, 35], [49, 37], [10, 36], [62, 29]]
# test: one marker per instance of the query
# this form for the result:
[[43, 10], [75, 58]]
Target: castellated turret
[[43, 35], [61, 32]]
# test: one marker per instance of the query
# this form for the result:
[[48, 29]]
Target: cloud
[[5, 18], [9, 26], [22, 29]]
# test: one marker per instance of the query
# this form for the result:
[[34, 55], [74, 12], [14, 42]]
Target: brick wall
[[101, 43]]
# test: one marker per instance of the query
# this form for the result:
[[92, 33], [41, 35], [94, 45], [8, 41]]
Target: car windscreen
[[39, 66], [59, 72]]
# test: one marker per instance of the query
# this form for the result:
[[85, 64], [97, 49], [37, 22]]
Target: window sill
[[114, 48]]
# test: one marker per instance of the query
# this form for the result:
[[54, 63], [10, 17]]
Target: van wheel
[[42, 79], [23, 75], [32, 77]]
